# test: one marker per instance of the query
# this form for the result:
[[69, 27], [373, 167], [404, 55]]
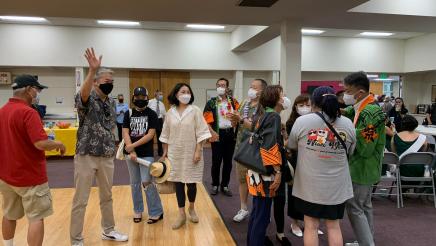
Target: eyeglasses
[[36, 88]]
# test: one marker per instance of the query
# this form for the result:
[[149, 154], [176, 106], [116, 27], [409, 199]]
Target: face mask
[[141, 103], [252, 94], [184, 98], [349, 99], [35, 100], [106, 88], [160, 98], [304, 110], [286, 103], [221, 91], [120, 100]]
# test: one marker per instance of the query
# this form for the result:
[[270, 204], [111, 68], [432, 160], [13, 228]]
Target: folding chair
[[389, 159], [419, 158], [431, 143]]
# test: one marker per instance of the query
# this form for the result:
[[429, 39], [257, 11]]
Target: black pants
[[158, 132], [120, 131], [222, 152], [181, 196], [259, 220], [279, 213]]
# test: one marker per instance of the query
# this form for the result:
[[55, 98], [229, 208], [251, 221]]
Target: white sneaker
[[114, 236], [241, 215], [355, 243], [78, 244]]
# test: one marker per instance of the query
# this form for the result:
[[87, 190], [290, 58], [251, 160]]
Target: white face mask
[[184, 98], [304, 110], [221, 91], [252, 94], [35, 100], [286, 103], [349, 99]]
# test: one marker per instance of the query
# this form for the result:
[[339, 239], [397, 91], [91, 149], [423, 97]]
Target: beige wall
[[417, 88]]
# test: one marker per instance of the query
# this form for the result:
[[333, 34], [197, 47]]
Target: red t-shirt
[[21, 163]]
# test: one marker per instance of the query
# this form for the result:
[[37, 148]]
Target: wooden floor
[[210, 231]]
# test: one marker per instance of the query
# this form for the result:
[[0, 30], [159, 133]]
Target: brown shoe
[[181, 220]]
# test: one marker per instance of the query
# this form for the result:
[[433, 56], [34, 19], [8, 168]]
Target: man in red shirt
[[23, 175]]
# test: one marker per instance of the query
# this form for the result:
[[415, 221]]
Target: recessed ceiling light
[[311, 31], [23, 18], [118, 23], [376, 34], [209, 27]]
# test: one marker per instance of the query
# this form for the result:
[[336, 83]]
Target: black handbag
[[248, 153]]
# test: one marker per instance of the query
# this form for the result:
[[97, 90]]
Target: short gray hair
[[19, 91], [103, 70]]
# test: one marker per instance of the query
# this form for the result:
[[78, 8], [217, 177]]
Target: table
[[68, 137], [426, 130]]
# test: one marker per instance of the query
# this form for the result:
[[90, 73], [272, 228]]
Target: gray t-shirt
[[322, 175]]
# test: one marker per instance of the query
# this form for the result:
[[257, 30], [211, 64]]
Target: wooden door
[[376, 88], [148, 79], [169, 79]]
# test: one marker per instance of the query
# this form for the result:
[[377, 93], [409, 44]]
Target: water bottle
[[427, 171], [51, 135]]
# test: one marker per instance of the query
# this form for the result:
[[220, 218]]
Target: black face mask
[[141, 103], [106, 88], [120, 100]]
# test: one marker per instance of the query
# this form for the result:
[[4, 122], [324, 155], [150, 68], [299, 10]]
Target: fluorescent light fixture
[[372, 76], [23, 18], [311, 31], [383, 79], [376, 34], [208, 27], [118, 23]]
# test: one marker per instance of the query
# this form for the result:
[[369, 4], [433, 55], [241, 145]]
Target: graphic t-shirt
[[139, 123], [322, 175]]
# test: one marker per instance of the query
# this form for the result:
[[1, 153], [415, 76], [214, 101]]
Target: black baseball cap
[[27, 80], [140, 91]]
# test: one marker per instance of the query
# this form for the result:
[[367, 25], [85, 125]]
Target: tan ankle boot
[[193, 216], [181, 220]]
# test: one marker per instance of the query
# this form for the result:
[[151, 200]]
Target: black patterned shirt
[[97, 122]]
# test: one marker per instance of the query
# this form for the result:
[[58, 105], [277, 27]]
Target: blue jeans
[[140, 174]]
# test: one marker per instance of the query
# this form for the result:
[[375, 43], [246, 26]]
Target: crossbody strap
[[338, 137]]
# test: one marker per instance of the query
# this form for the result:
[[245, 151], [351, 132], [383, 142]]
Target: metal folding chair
[[419, 158], [389, 159]]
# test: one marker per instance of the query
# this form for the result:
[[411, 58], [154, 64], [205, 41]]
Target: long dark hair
[[324, 97], [294, 114]]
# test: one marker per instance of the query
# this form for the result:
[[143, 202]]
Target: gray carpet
[[413, 225]]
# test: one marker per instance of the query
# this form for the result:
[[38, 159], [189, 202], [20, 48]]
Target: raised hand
[[93, 61]]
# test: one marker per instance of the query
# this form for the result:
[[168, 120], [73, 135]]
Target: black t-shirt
[[139, 123]]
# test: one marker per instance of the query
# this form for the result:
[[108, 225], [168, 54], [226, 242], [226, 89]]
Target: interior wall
[[62, 46], [419, 53], [417, 88]]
